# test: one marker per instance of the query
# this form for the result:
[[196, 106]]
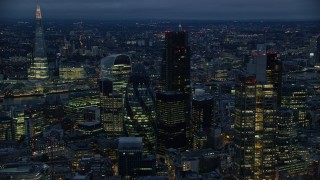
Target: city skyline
[[157, 100], [175, 10]]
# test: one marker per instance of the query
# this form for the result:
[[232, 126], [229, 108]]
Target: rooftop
[[130, 143]]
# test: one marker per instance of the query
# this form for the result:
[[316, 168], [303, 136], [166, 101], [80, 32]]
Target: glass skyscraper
[[173, 104], [39, 66], [274, 73], [172, 113], [140, 109], [288, 161], [255, 107], [256, 103], [115, 72], [294, 96], [175, 69]]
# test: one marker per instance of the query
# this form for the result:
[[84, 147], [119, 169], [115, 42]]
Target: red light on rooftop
[[251, 80], [272, 53]]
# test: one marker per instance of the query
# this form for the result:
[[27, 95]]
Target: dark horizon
[[284, 10], [150, 20], [225, 90]]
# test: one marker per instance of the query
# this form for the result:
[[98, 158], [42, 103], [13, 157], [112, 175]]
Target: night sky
[[163, 9]]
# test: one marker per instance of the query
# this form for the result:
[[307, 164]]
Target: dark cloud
[[173, 9]]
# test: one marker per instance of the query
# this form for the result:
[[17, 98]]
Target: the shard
[[39, 67]]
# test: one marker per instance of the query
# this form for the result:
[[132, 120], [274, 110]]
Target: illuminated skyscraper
[[140, 108], [19, 116], [202, 120], [39, 66], [256, 101], [274, 73], [174, 103], [268, 68], [288, 161], [172, 112], [255, 107], [115, 71], [294, 96]]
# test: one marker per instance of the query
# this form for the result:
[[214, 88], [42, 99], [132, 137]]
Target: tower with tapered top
[[39, 66]]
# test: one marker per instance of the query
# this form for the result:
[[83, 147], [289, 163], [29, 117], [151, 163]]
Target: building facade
[[175, 68], [173, 104], [294, 96], [140, 108], [171, 124], [288, 161], [115, 72], [255, 128]]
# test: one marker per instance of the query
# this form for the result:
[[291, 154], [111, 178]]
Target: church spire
[[38, 13]]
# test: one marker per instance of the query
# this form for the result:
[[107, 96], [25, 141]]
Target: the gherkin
[[139, 104]]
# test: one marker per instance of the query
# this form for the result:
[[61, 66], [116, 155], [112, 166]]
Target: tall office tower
[[172, 112], [255, 128], [202, 119], [294, 96], [39, 66], [19, 117], [274, 73], [174, 103], [288, 162], [175, 68], [256, 102], [140, 108], [267, 68], [202, 113], [115, 71]]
